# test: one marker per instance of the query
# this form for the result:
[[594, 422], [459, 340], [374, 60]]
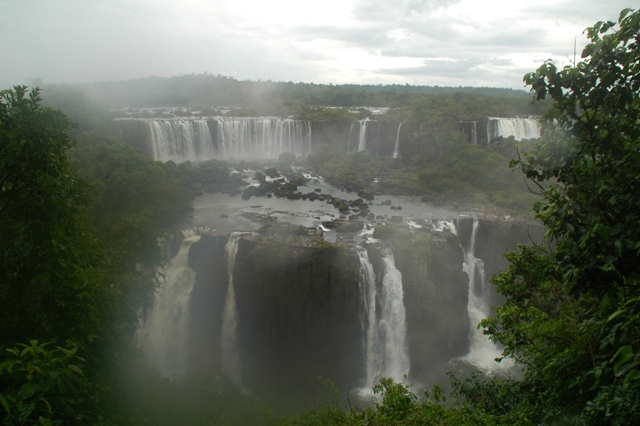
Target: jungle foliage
[[571, 314], [75, 247], [72, 258], [460, 174]]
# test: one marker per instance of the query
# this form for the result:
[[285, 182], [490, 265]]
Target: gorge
[[276, 305]]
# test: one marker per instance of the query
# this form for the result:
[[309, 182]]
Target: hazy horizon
[[417, 42]]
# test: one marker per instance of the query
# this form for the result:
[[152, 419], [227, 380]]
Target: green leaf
[[45, 421], [76, 369], [5, 404], [621, 357], [632, 375]]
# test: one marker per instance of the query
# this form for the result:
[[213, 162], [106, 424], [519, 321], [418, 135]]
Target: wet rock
[[366, 195], [272, 172], [348, 226]]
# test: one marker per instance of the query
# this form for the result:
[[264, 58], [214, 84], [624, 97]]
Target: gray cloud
[[394, 41]]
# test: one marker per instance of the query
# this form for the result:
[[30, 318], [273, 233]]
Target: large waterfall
[[482, 351], [182, 140], [385, 347], [262, 137], [164, 334], [362, 136], [230, 356], [179, 140], [520, 128]]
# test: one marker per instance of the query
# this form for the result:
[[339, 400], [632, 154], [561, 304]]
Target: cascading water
[[396, 149], [362, 138], [349, 144], [230, 356], [482, 351], [520, 128], [378, 139], [393, 327], [474, 133], [179, 140], [385, 347], [262, 137], [373, 352], [164, 334]]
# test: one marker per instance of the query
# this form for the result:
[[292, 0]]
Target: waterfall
[[482, 351], [179, 140], [164, 335], [393, 325], [230, 357], [474, 134], [442, 225], [378, 139], [520, 128], [385, 349], [371, 345], [262, 137], [396, 148], [362, 138], [349, 149]]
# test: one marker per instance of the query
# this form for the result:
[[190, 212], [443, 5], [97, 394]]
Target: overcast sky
[[426, 42]]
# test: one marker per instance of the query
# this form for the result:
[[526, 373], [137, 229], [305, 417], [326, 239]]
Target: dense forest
[[81, 213], [207, 90]]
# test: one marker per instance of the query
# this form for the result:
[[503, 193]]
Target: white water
[[474, 134], [230, 356], [482, 351], [372, 342], [164, 334], [179, 140], [349, 149], [385, 347], [396, 148], [262, 137], [362, 137], [520, 128]]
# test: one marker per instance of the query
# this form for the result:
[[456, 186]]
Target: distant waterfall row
[[263, 137], [228, 138], [182, 140]]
